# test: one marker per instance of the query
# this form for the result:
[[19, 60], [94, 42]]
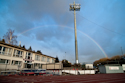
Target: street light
[[6, 62], [75, 7], [121, 50], [6, 66]]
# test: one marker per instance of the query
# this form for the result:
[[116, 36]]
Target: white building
[[14, 57], [89, 66]]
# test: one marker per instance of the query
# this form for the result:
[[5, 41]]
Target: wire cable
[[101, 26]]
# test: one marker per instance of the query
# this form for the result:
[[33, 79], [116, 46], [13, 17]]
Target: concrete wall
[[52, 66], [13, 67], [56, 72], [71, 68], [123, 66], [75, 72]]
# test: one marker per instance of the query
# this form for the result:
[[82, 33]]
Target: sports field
[[97, 78]]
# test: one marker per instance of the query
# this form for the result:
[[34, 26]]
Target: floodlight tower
[[75, 7]]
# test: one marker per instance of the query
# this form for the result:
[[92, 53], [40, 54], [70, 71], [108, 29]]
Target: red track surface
[[97, 78]]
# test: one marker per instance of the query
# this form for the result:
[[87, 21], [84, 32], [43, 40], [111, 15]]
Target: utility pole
[[75, 7], [65, 55], [122, 51]]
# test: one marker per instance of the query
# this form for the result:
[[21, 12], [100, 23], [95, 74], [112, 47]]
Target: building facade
[[16, 57]]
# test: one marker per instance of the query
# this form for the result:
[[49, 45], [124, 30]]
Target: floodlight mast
[[75, 7]]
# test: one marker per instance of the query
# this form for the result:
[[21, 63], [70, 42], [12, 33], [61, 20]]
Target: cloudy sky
[[48, 25]]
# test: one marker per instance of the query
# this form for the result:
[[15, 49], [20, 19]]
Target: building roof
[[18, 47]]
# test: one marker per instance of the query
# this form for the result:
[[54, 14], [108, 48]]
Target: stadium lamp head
[[74, 7]]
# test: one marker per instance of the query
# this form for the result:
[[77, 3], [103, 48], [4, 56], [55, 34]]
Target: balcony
[[28, 57]]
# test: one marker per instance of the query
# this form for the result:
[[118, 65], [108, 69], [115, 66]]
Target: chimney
[[20, 44]]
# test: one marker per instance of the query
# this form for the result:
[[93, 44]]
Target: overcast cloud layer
[[53, 23]]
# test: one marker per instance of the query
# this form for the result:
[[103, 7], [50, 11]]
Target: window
[[16, 62], [37, 57], [43, 58], [18, 53], [41, 65], [0, 48], [12, 63], [37, 65], [5, 50], [4, 61], [9, 51], [47, 59], [53, 60], [28, 55]]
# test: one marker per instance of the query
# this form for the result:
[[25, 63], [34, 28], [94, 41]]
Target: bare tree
[[10, 38]]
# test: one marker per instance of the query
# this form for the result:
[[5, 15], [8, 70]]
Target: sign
[[28, 59], [113, 68], [30, 63]]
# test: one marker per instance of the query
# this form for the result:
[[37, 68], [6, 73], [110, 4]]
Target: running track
[[97, 78]]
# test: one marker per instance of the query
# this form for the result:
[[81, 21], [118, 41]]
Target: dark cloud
[[23, 14]]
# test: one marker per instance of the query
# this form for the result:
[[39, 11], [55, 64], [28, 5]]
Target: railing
[[27, 57], [5, 53], [18, 55]]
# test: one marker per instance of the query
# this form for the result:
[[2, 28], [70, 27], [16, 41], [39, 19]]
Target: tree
[[113, 60], [38, 51], [101, 61], [83, 66], [66, 63], [3, 40], [56, 60], [30, 48], [117, 57], [24, 46], [77, 65], [10, 38]]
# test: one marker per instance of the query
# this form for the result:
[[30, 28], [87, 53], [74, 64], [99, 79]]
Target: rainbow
[[70, 28]]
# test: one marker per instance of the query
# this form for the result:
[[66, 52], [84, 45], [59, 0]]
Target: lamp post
[[19, 66], [122, 51], [65, 55], [6, 67], [6, 64], [75, 7]]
